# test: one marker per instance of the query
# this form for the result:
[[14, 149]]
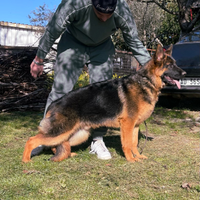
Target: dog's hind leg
[[31, 144], [66, 152], [62, 152], [42, 139]]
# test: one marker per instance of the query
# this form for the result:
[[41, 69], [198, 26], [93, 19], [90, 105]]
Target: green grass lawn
[[170, 172]]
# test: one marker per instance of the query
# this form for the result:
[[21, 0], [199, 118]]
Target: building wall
[[19, 35]]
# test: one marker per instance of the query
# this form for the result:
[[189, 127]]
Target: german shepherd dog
[[124, 103]]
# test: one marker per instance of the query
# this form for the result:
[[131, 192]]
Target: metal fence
[[125, 63]]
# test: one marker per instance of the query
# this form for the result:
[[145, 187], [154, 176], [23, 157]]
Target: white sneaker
[[37, 150], [98, 147]]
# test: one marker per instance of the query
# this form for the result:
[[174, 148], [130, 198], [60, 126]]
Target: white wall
[[12, 34]]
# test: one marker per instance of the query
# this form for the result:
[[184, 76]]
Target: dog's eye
[[169, 66]]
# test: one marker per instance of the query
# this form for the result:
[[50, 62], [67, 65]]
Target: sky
[[17, 11]]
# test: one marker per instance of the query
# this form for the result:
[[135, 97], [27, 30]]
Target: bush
[[83, 80]]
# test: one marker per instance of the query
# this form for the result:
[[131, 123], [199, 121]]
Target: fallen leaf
[[186, 186], [31, 172]]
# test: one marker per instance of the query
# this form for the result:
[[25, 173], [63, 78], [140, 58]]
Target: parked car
[[186, 52]]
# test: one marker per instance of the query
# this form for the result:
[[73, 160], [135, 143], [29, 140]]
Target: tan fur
[[79, 137]]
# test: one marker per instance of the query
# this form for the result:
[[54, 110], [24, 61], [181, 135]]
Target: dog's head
[[166, 66]]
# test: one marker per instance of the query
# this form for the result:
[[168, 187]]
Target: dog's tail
[[56, 124]]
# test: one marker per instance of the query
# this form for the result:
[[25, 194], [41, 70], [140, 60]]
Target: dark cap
[[105, 6]]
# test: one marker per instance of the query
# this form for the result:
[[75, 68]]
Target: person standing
[[85, 28]]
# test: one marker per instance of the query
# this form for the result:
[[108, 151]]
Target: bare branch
[[161, 5]]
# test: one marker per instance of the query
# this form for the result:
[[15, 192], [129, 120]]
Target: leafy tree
[[119, 42], [169, 31], [185, 8], [148, 18], [189, 14]]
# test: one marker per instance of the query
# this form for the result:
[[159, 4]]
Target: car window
[[191, 37], [187, 54]]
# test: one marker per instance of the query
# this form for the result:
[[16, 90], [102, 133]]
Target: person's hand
[[36, 67]]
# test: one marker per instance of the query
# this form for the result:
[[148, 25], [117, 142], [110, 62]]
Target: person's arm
[[36, 67], [60, 20], [58, 23], [129, 30]]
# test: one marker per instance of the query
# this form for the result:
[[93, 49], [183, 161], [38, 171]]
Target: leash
[[146, 133], [146, 136]]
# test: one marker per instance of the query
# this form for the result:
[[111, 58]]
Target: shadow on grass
[[25, 119], [111, 141]]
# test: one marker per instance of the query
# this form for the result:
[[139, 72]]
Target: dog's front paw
[[25, 160], [73, 154], [141, 156], [132, 160], [130, 157]]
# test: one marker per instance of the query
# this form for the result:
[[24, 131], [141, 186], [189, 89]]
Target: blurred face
[[102, 16]]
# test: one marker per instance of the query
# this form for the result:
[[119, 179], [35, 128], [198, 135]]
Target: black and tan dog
[[124, 103]]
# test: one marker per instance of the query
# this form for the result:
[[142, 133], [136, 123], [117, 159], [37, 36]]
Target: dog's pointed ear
[[159, 55], [169, 50]]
